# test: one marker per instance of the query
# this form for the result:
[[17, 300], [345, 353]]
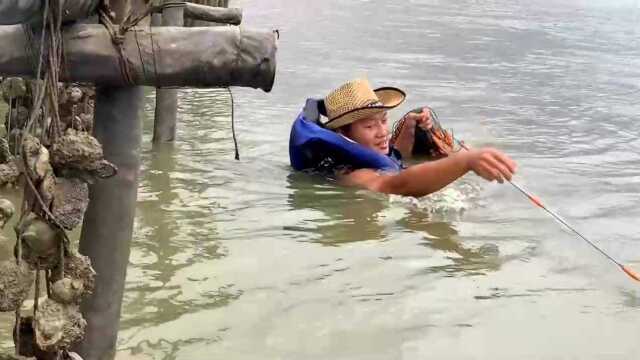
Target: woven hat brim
[[390, 98]]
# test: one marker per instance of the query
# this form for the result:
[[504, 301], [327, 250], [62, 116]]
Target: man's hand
[[491, 164], [422, 119]]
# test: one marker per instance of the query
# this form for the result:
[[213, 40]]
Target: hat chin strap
[[346, 137]]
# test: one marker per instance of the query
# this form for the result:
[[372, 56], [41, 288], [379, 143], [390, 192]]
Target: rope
[[10, 116], [62, 247], [18, 325], [47, 280], [118, 35], [37, 290], [118, 41], [233, 126], [153, 52], [144, 71], [39, 87], [45, 105], [47, 213]]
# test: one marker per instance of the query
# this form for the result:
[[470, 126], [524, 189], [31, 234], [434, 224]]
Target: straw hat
[[356, 100]]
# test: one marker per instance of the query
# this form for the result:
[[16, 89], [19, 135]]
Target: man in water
[[358, 114]]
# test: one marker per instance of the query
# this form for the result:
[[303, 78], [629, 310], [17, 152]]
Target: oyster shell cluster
[[9, 172], [41, 242], [29, 347], [67, 291], [15, 283], [7, 209], [78, 154], [13, 87], [58, 322], [16, 117], [58, 326], [76, 107], [77, 268], [70, 200], [57, 159]]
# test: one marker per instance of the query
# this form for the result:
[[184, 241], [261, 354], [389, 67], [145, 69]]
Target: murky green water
[[247, 260]]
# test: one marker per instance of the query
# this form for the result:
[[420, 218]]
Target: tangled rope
[[118, 32], [47, 65]]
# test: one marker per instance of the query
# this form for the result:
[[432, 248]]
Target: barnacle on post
[[104, 169]]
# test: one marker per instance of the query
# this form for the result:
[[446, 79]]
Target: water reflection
[[161, 349], [344, 215], [155, 289], [465, 260], [162, 224]]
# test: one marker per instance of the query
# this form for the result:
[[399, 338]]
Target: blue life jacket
[[311, 146]]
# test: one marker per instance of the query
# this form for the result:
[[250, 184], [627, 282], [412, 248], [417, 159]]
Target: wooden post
[[156, 19], [166, 113], [108, 222], [200, 23]]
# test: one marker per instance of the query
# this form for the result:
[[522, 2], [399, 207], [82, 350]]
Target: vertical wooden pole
[[108, 222], [166, 113], [156, 19]]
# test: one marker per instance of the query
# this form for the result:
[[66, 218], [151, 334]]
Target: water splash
[[452, 200]]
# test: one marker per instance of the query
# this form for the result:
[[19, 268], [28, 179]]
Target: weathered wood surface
[[30, 11], [161, 57], [108, 222], [200, 23], [232, 16], [166, 112]]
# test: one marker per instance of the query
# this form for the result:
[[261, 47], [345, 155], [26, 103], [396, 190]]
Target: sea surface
[[250, 260]]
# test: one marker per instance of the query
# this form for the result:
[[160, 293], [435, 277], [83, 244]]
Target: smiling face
[[372, 132]]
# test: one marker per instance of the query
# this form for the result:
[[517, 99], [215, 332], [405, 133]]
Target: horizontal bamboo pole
[[30, 11], [160, 56]]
